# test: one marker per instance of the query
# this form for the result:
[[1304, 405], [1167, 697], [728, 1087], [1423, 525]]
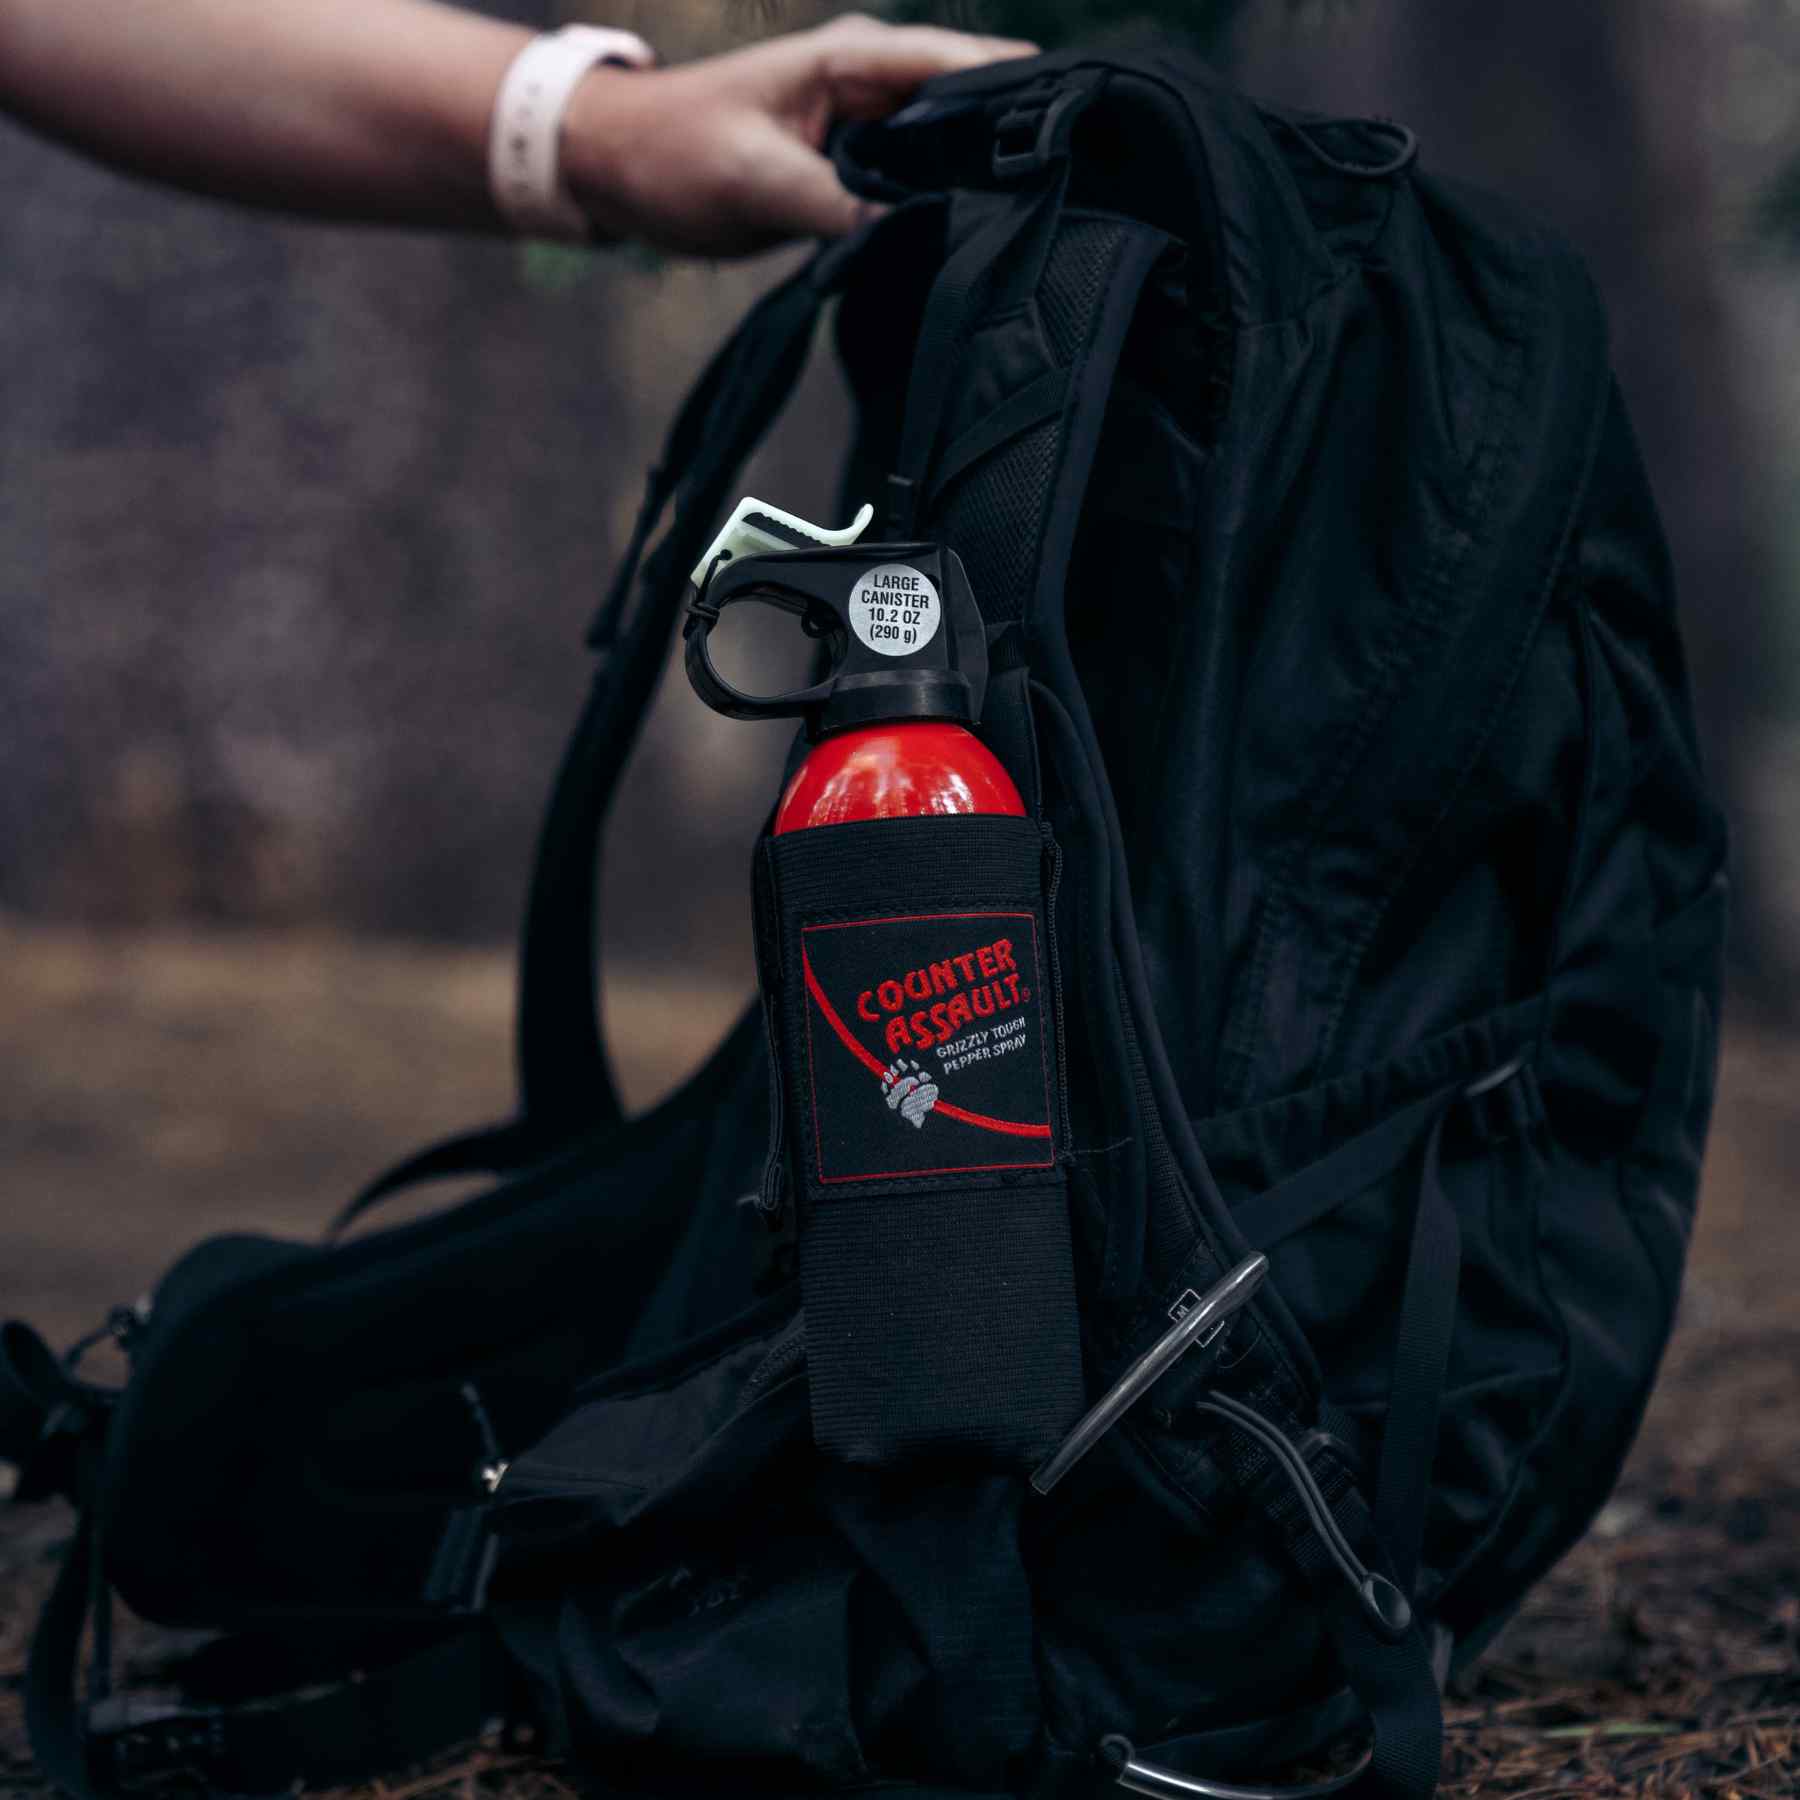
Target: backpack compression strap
[[53, 1428], [382, 1719]]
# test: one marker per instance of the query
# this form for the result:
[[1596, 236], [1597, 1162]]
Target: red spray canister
[[890, 740], [893, 771], [906, 957]]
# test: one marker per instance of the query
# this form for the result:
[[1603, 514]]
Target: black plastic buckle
[[1030, 135], [463, 1563]]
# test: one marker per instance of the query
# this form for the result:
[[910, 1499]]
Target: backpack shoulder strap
[[563, 1078], [488, 1150], [565, 1086]]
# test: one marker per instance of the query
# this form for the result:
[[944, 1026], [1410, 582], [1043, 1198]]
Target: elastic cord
[[1386, 1606]]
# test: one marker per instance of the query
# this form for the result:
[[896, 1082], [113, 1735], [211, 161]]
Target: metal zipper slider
[[1198, 1324]]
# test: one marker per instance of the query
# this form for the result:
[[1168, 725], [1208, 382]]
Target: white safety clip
[[755, 528]]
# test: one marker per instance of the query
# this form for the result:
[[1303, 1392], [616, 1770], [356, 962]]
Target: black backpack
[[1374, 901]]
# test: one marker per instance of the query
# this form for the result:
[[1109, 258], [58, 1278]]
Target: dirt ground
[[159, 1089]]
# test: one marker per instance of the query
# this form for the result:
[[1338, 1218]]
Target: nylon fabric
[[913, 973]]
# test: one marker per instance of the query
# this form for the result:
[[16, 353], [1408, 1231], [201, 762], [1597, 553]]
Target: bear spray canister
[[908, 975]]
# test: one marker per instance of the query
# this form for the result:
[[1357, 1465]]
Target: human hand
[[723, 157]]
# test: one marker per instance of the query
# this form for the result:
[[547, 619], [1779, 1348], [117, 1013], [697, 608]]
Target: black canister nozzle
[[905, 635]]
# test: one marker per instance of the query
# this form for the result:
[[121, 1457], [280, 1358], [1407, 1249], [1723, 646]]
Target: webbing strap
[[1394, 1680], [380, 1719], [1421, 1359], [490, 1150], [955, 299], [1341, 1174], [52, 1715], [1392, 1677], [1428, 1303], [1039, 400]]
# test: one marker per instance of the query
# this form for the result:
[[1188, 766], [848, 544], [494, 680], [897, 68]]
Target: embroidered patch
[[925, 1043]]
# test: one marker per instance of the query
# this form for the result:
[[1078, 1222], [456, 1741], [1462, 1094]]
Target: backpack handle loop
[[1034, 131]]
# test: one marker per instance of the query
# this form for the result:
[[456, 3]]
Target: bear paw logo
[[909, 1091]]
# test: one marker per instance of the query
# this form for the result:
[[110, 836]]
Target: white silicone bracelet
[[524, 139]]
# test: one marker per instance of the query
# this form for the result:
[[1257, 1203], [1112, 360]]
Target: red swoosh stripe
[[878, 1069]]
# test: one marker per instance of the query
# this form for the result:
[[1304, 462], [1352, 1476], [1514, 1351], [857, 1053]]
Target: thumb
[[798, 194]]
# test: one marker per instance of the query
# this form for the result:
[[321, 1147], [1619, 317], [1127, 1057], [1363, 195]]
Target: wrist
[[528, 160], [600, 128]]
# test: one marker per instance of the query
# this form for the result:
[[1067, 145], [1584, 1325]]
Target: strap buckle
[[1033, 132], [48, 1419]]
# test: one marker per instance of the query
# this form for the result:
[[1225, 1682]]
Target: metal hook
[[1199, 1323], [1165, 1784]]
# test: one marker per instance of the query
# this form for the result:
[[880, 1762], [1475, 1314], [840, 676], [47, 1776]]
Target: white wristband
[[524, 139]]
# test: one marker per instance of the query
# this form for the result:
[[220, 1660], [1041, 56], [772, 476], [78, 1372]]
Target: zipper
[[785, 1355], [1052, 886]]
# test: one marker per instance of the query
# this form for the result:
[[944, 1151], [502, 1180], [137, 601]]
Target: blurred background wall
[[299, 527]]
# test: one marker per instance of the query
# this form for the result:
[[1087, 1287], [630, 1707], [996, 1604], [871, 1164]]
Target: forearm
[[371, 109]]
